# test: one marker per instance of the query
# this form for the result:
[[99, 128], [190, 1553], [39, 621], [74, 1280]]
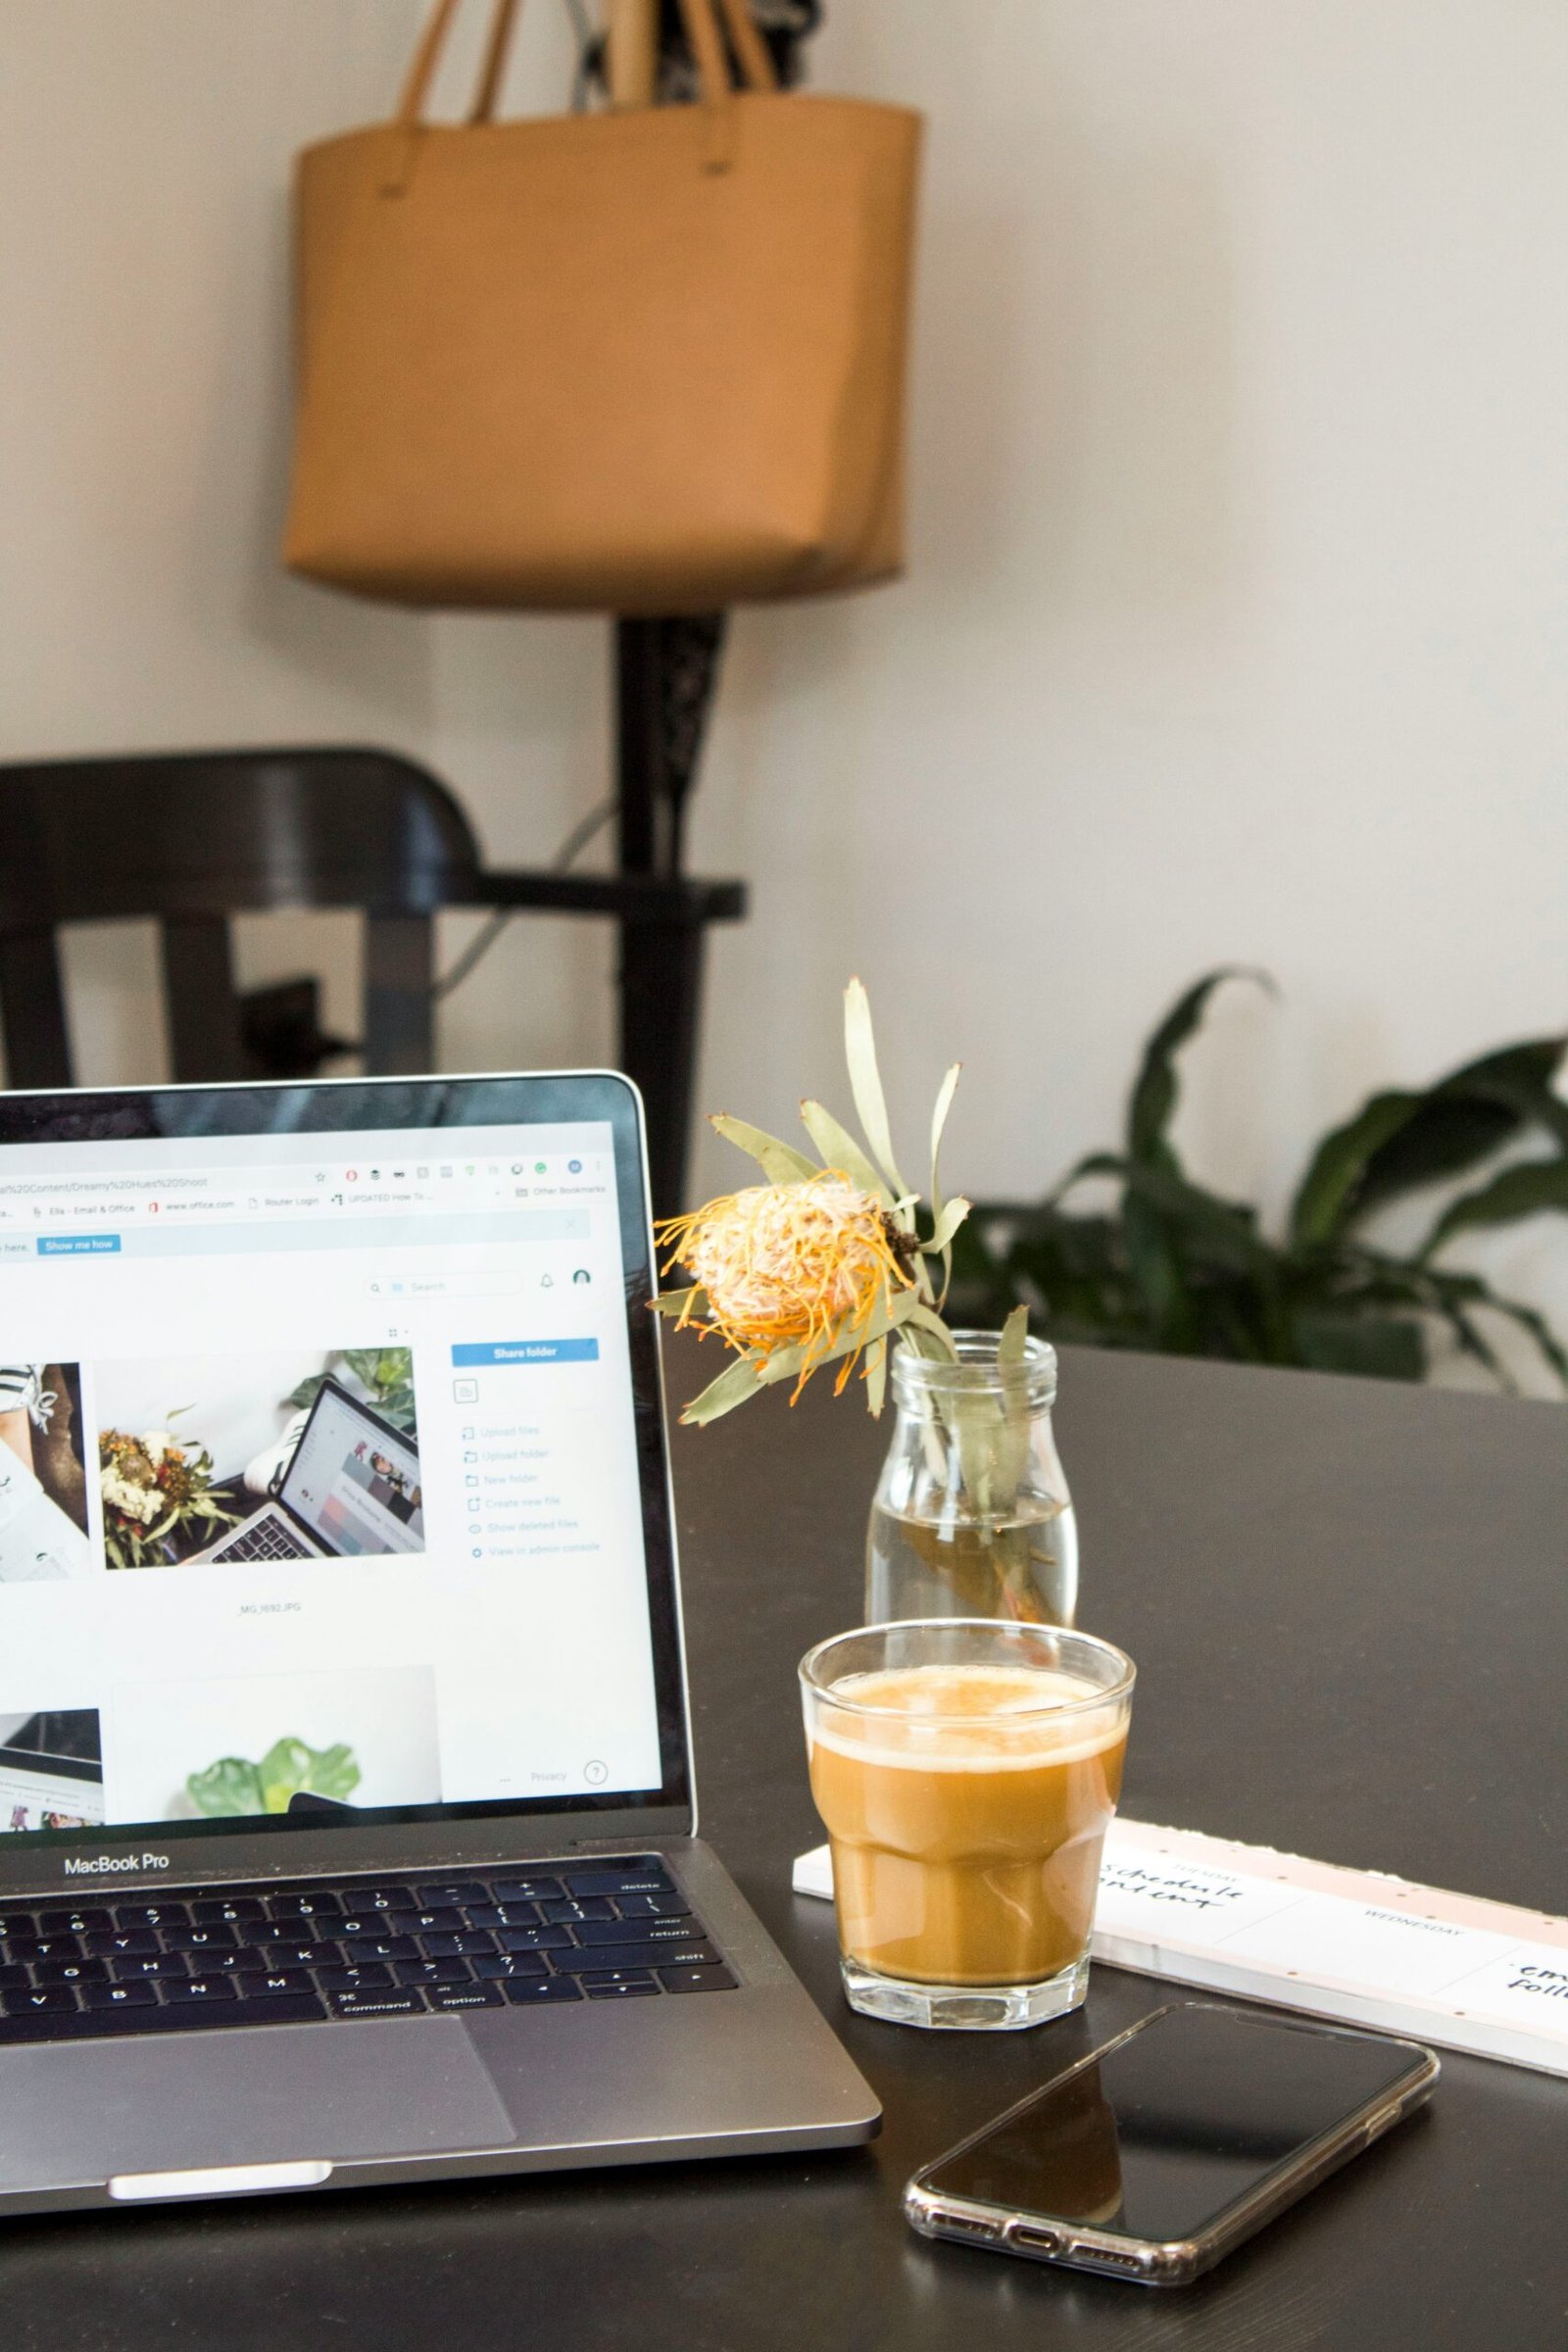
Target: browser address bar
[[166, 1180]]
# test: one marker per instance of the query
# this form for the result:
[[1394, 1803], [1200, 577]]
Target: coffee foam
[[968, 1719]]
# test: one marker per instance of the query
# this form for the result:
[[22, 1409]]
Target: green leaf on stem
[[1339, 1164], [738, 1381], [780, 1162], [865, 1082], [939, 1119], [680, 1302], [1401, 1139], [889, 1315], [923, 1318], [1156, 1090], [1518, 1192], [946, 1226], [840, 1149], [1537, 1327]]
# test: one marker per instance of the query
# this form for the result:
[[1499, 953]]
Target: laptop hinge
[[617, 1845]]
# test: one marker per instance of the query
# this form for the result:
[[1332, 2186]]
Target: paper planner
[[1351, 1944]]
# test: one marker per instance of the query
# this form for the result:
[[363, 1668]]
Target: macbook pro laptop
[[350, 1486], [372, 1859]]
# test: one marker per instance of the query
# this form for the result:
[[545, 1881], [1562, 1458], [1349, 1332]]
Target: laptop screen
[[353, 1480], [331, 1458]]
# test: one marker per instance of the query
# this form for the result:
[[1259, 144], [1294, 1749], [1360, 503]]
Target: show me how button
[[527, 1351], [78, 1245]]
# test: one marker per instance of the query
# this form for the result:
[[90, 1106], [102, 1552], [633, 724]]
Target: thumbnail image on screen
[[283, 1454], [51, 1770], [43, 1480]]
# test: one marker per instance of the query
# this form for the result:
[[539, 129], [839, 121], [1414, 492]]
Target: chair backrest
[[191, 838]]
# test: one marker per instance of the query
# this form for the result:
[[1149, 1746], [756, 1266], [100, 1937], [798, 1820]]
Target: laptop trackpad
[[81, 2111]]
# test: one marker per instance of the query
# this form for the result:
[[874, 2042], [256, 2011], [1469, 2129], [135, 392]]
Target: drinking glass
[[966, 1770]]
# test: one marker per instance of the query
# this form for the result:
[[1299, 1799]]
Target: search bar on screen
[[444, 1286]]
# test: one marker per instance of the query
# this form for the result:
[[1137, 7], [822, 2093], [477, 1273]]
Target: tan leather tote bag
[[640, 362]]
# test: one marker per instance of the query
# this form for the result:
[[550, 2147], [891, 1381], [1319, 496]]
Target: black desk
[[1350, 1604]]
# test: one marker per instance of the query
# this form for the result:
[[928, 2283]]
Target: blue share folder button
[[78, 1244], [528, 1352]]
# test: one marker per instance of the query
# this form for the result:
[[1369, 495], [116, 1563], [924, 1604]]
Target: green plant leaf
[[1339, 1164], [290, 1765], [939, 1119], [1015, 1338], [380, 1369], [876, 1378], [924, 1344], [231, 1785], [1175, 1267], [1157, 1272], [738, 1380], [889, 1315], [865, 1082], [840, 1149], [1518, 1192], [1536, 1104], [1154, 1089], [676, 1302], [1202, 1227], [946, 1226], [1536, 1326], [1093, 1163], [1226, 1230], [920, 1317], [1401, 1139], [1473, 1343], [779, 1162]]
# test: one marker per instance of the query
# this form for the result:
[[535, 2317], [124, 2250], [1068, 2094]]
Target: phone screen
[[1190, 2113]]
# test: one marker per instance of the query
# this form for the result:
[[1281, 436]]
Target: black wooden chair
[[190, 839]]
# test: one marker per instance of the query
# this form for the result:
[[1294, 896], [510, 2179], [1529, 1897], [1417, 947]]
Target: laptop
[[350, 1486], [373, 1858]]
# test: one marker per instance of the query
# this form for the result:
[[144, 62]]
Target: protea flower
[[826, 1261], [796, 1267]]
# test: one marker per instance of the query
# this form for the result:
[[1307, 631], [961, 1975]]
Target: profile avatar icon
[[582, 1275]]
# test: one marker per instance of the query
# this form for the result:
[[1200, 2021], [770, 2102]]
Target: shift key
[[693, 1955]]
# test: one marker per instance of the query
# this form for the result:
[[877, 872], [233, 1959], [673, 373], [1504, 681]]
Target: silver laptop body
[[496, 1714]]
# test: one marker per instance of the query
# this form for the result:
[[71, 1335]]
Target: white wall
[[1236, 620]]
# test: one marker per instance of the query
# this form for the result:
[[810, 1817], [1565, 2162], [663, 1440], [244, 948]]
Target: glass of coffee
[[967, 1769]]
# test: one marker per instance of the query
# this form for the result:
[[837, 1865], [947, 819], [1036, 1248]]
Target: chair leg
[[33, 1007], [204, 1045], [399, 953], [660, 1005]]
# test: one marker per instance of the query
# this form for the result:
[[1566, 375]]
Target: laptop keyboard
[[267, 1539], [287, 1954]]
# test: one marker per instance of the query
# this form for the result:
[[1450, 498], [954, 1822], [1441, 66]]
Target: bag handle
[[701, 27]]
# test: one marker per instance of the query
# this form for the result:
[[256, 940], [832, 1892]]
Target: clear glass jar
[[972, 1517]]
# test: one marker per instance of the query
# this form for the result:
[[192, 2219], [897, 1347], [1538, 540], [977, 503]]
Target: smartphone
[[1152, 2157]]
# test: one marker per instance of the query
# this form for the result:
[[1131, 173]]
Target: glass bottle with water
[[972, 1517]]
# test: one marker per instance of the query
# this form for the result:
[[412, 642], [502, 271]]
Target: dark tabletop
[[1348, 1603]]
